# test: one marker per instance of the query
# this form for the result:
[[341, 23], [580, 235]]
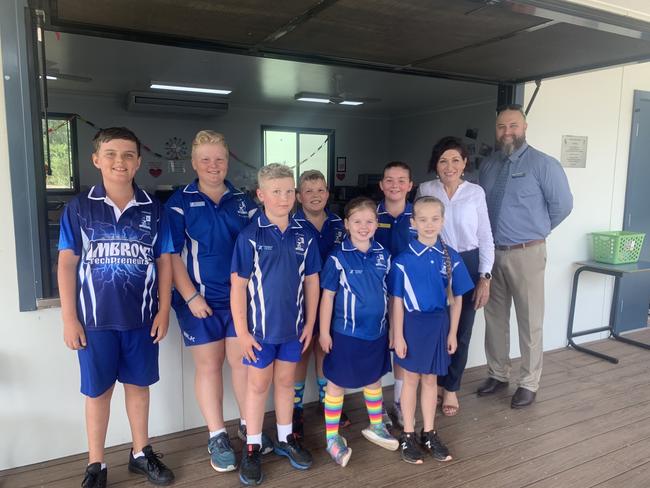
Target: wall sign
[[574, 152]]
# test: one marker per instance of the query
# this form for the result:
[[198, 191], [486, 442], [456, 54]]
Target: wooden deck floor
[[589, 427]]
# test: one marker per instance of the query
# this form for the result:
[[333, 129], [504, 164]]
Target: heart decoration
[[340, 176], [155, 172]]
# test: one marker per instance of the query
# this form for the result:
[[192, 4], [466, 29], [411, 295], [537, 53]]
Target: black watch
[[487, 276]]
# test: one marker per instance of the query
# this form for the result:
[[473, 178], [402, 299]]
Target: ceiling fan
[[339, 97]]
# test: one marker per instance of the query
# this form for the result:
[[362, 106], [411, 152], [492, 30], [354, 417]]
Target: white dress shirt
[[467, 225]]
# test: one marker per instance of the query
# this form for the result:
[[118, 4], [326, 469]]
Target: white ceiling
[[117, 67]]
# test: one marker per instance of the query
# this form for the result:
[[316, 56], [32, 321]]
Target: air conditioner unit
[[176, 103]]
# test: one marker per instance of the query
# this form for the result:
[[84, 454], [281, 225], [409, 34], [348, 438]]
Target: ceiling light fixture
[[158, 85], [350, 102], [310, 97], [50, 77]]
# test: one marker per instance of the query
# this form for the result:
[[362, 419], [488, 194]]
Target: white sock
[[217, 432], [103, 466], [242, 422], [284, 431], [254, 439], [136, 455], [397, 390]]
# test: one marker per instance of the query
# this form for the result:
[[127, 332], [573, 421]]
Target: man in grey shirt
[[527, 195]]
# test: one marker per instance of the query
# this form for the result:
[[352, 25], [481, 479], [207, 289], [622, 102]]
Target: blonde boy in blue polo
[[273, 298]]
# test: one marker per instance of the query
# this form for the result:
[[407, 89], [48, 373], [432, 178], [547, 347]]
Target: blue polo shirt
[[332, 233], [117, 282], [395, 233], [419, 276], [204, 234], [359, 280], [275, 263]]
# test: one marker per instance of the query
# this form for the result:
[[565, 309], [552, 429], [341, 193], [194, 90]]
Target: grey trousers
[[517, 275]]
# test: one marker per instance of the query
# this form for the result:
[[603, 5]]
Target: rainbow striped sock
[[333, 408], [374, 403], [298, 393]]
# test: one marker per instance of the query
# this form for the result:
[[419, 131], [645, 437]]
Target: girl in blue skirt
[[353, 328], [426, 284]]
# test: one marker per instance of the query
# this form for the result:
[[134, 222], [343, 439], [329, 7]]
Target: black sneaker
[[95, 476], [298, 422], [299, 457], [409, 449], [267, 443], [151, 466], [250, 469], [434, 446]]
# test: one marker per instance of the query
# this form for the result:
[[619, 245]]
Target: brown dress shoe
[[522, 398], [491, 386]]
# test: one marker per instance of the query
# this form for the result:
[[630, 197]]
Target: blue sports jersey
[[359, 280], [117, 283], [204, 234], [332, 233], [275, 264], [395, 233], [419, 276]]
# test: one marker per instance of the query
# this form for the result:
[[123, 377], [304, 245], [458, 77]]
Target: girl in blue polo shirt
[[353, 328], [426, 284]]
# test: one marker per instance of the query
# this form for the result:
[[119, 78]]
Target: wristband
[[196, 294]]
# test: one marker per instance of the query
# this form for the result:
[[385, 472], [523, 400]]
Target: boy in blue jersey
[[330, 231], [206, 217], [114, 276], [394, 233], [274, 297]]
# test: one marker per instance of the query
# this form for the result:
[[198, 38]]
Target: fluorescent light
[[50, 77], [192, 89], [350, 102], [313, 99]]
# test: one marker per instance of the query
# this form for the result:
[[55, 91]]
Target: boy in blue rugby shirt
[[330, 231], [394, 233], [114, 277], [274, 296]]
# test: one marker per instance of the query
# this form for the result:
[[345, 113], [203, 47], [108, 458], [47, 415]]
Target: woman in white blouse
[[467, 230]]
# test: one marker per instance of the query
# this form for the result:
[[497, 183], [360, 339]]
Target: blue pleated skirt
[[425, 334], [354, 362]]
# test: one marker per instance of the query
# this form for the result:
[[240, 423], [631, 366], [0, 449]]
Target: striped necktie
[[495, 198]]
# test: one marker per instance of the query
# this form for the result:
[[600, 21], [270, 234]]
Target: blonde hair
[[311, 175], [359, 203], [208, 137], [448, 268], [273, 171]]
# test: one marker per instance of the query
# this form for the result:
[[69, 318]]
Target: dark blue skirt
[[354, 363], [425, 334]]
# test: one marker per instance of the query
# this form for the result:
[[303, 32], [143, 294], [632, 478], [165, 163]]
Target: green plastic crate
[[617, 247]]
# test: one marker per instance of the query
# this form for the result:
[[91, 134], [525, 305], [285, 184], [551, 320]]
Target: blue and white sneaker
[[222, 455], [299, 457], [378, 434]]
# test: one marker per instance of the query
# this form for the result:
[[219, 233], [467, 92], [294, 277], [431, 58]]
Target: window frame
[[330, 133], [74, 154]]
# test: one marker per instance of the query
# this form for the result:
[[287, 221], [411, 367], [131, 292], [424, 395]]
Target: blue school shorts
[[127, 356], [354, 362], [198, 331], [287, 351]]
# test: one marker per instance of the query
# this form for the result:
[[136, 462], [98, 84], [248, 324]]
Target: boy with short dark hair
[[394, 233], [273, 298], [330, 231], [114, 276]]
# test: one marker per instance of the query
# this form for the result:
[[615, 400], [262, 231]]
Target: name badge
[[197, 204], [382, 225], [518, 175]]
